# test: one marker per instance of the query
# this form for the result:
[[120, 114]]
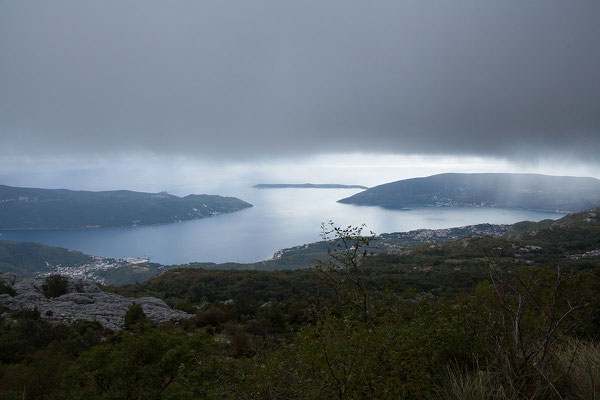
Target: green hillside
[[33, 258], [507, 316]]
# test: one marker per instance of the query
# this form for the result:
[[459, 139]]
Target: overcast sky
[[241, 79]]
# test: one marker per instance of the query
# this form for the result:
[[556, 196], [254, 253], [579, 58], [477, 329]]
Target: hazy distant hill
[[526, 191], [27, 208], [306, 186]]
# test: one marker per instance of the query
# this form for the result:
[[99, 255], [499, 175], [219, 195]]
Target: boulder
[[83, 301]]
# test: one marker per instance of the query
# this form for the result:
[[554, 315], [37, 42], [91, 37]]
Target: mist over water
[[280, 218]]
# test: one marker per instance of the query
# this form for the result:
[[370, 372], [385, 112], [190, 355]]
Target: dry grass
[[573, 373], [471, 385], [577, 365]]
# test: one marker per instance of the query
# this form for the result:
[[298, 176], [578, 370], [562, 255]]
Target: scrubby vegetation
[[461, 320]]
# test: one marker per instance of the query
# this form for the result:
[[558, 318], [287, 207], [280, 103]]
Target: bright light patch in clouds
[[186, 175]]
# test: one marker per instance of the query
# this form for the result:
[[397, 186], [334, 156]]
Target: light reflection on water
[[280, 218]]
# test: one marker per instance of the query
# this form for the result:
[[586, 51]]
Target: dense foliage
[[466, 319], [402, 345]]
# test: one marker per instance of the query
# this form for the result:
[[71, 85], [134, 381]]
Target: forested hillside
[[35, 258], [512, 317]]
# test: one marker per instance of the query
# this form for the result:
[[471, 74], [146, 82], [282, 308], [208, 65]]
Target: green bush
[[147, 364], [55, 286], [135, 315], [7, 289]]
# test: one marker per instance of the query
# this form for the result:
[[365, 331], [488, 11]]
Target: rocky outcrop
[[83, 301]]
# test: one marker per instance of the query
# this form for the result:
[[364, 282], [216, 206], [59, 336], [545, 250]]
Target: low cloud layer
[[243, 78]]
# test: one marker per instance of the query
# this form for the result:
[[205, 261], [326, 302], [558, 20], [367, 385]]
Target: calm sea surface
[[280, 218]]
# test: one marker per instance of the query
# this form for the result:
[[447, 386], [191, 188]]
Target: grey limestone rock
[[83, 301]]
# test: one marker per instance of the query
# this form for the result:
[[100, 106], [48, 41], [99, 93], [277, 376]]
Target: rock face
[[83, 301]]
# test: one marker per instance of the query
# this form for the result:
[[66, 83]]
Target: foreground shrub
[[577, 363], [460, 384], [148, 364], [135, 315], [55, 286], [7, 289]]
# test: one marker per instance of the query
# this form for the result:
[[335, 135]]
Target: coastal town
[[95, 270], [587, 254], [397, 241]]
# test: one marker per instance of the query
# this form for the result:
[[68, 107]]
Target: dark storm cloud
[[238, 78]]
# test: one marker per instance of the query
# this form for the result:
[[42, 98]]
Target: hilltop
[[306, 186], [29, 208], [522, 191]]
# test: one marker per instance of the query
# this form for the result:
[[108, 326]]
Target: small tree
[[7, 289], [135, 315], [342, 269], [529, 314], [360, 345], [55, 286]]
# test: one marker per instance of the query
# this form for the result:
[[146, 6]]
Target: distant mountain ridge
[[29, 208], [523, 191], [306, 186]]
